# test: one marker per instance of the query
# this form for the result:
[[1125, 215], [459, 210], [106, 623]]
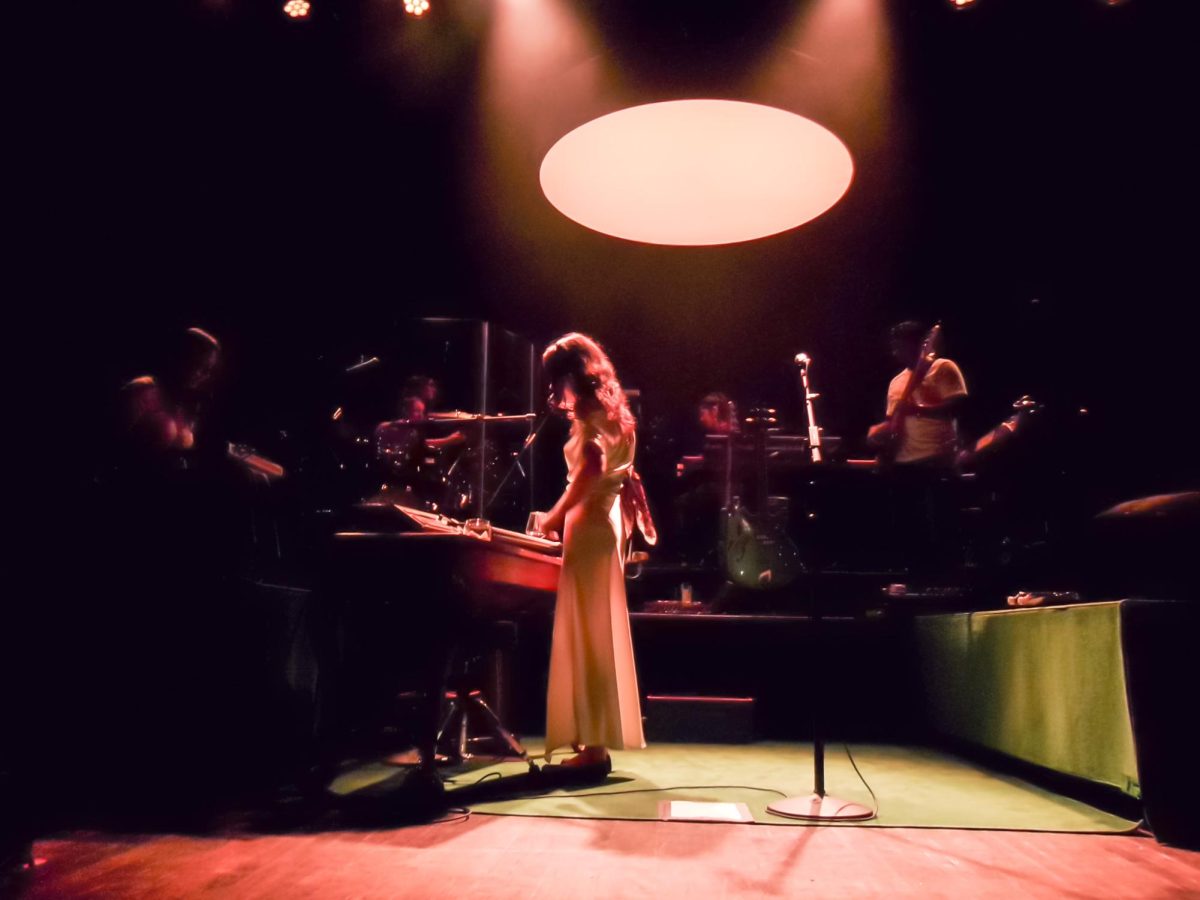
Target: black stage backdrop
[[1025, 171]]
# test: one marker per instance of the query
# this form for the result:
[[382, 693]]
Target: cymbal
[[457, 415], [1155, 506], [454, 416]]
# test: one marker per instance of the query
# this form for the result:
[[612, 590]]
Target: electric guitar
[[756, 550], [254, 462], [1023, 409]]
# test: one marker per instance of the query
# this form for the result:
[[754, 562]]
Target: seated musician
[[161, 412], [716, 414], [397, 437], [165, 547], [698, 503], [592, 700], [410, 453], [424, 390]]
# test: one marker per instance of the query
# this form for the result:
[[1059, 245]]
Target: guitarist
[[920, 436], [921, 425]]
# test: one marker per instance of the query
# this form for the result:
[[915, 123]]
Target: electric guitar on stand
[[756, 550]]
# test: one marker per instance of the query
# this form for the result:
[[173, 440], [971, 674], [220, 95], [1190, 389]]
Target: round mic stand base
[[821, 808]]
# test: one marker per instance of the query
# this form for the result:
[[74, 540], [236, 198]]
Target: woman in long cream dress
[[592, 701]]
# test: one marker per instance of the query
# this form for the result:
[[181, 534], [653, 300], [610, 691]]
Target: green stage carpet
[[915, 787]]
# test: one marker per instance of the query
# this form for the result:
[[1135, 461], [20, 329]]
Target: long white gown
[[593, 693]]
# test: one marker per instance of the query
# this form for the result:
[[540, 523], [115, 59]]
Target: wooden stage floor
[[552, 859]]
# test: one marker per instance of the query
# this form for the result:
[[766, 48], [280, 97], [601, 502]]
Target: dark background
[[1025, 172]]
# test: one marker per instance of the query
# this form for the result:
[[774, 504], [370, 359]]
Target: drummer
[[412, 457], [402, 437]]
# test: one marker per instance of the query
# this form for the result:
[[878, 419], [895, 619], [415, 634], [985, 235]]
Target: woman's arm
[[576, 490]]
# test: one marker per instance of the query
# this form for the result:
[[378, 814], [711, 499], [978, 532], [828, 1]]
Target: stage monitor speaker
[[699, 720]]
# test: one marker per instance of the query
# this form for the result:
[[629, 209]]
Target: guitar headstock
[[1026, 404], [761, 418], [929, 346]]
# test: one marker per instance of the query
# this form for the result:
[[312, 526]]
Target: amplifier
[[699, 720]]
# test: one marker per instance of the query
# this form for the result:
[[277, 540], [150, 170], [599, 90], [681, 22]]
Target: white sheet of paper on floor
[[700, 811]]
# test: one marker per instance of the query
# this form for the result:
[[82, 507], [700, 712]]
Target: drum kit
[[455, 463]]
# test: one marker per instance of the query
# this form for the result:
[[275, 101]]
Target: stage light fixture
[[962, 4], [297, 9], [416, 8]]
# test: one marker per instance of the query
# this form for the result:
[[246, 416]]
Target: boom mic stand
[[516, 463], [817, 806]]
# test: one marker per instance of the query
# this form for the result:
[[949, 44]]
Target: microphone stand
[[516, 463], [817, 806], [814, 433]]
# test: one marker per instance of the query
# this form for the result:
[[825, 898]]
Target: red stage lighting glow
[[696, 172]]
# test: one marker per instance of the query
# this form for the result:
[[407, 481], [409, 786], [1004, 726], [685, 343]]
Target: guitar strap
[[635, 510]]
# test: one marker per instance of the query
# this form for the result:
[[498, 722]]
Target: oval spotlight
[[696, 172]]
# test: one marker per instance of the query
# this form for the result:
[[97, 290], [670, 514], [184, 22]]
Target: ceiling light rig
[[963, 4], [416, 8], [297, 9]]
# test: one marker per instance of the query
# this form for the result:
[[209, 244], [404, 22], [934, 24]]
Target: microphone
[[802, 359]]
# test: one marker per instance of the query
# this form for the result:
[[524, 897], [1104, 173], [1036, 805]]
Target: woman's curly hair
[[578, 356]]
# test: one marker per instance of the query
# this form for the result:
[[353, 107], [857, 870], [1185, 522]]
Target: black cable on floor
[[453, 815], [658, 790], [874, 799]]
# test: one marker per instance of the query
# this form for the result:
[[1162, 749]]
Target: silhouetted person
[[929, 432], [924, 496]]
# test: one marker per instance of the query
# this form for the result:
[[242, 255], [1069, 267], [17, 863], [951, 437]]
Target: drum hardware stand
[[516, 463], [454, 738], [817, 806]]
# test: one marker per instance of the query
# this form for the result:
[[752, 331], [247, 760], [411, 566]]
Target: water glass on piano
[[534, 525]]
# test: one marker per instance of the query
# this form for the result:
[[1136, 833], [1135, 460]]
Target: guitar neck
[[924, 362]]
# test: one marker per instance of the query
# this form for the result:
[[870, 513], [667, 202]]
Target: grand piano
[[489, 571], [407, 589], [426, 590]]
